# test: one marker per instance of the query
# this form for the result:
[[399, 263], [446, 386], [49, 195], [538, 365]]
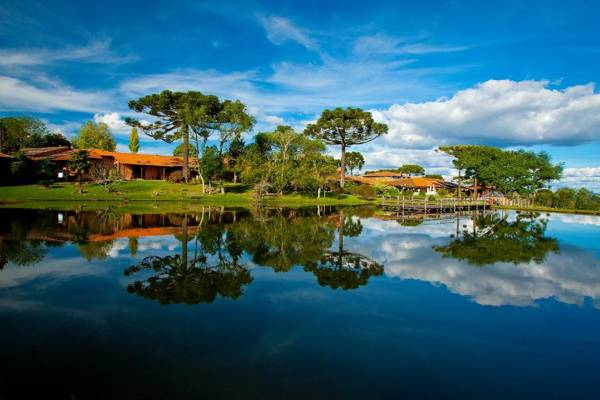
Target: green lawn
[[157, 195]]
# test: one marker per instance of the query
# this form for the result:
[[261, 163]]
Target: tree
[[134, 141], [346, 127], [354, 160], [495, 239], [179, 114], [55, 139], [518, 171], [411, 169], [19, 132], [234, 120], [79, 164], [95, 136], [178, 151]]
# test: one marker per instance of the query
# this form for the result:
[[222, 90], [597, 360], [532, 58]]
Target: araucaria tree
[[346, 127], [134, 141], [354, 160], [177, 114]]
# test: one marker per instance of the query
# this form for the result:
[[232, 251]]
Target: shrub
[[364, 191], [176, 176]]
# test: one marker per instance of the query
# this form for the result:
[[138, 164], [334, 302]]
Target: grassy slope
[[551, 210], [148, 195]]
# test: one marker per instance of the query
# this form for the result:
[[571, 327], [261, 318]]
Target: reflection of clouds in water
[[570, 276], [49, 269], [577, 219], [432, 228], [153, 243], [118, 245]]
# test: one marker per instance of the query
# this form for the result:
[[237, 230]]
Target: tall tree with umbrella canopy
[[177, 115], [346, 127]]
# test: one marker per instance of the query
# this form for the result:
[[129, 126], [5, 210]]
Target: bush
[[364, 191], [176, 176]]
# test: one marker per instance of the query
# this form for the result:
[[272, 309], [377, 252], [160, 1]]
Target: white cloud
[[95, 52], [588, 177], [504, 112], [113, 120], [380, 44], [274, 120], [280, 30], [568, 276], [18, 95]]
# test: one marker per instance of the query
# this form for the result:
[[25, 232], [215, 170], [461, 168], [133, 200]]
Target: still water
[[306, 303]]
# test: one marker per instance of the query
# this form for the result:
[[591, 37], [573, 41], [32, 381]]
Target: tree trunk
[[475, 188], [184, 242], [458, 193], [342, 166], [186, 153]]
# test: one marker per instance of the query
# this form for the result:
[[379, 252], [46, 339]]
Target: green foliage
[[386, 191], [178, 151], [22, 169], [181, 114], [134, 141], [79, 164], [95, 136], [44, 171], [494, 239], [518, 171], [19, 132], [411, 169], [364, 191], [345, 127], [354, 160], [567, 198], [435, 176], [287, 160]]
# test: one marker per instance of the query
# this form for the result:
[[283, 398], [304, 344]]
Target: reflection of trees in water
[[16, 247], [281, 241], [275, 238], [343, 269], [201, 279], [495, 239]]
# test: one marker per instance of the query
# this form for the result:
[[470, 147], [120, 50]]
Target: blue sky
[[509, 73]]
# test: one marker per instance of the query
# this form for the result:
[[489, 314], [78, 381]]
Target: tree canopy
[[345, 127], [354, 160], [411, 169], [134, 141], [19, 132], [95, 136], [507, 171]]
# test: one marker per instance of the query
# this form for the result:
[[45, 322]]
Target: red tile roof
[[130, 158]]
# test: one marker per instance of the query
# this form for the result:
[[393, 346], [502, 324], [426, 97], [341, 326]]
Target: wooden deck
[[425, 206]]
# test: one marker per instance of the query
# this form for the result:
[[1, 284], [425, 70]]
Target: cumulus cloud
[[280, 30], [502, 112], [588, 177]]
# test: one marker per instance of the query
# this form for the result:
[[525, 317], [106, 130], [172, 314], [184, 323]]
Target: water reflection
[[197, 279], [494, 238], [198, 258]]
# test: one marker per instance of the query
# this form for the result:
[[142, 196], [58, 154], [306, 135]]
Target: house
[[385, 175], [429, 186], [129, 165]]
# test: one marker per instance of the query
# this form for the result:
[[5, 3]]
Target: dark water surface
[[279, 303]]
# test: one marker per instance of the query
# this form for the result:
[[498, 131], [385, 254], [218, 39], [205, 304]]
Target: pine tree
[[134, 141]]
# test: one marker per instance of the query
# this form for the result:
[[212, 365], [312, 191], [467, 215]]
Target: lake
[[299, 304]]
